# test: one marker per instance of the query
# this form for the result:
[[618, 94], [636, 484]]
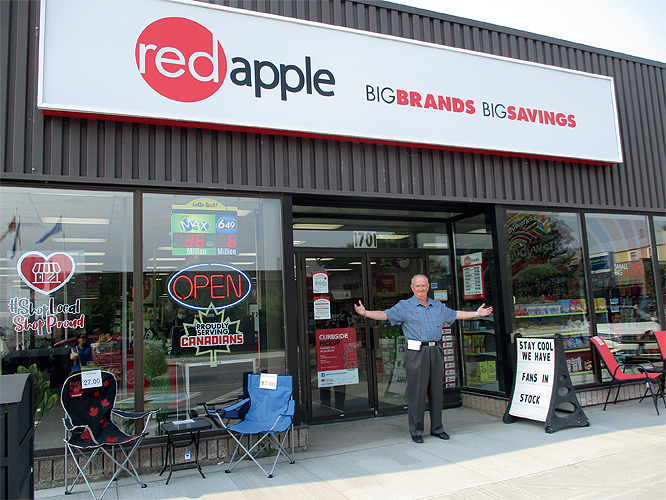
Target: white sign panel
[[174, 60], [320, 282], [268, 381], [535, 373], [91, 379], [322, 308]]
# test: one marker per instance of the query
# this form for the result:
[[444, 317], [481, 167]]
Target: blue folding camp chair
[[214, 413], [270, 414]]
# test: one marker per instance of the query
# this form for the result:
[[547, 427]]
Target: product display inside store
[[548, 282]]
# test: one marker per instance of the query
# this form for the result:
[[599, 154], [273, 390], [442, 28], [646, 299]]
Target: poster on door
[[472, 274], [337, 362], [320, 282], [322, 308]]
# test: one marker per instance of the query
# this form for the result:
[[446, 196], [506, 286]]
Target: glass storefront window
[[625, 301], [480, 338], [548, 284], [365, 228], [213, 298], [65, 270], [660, 231]]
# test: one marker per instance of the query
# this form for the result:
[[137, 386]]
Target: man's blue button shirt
[[420, 322]]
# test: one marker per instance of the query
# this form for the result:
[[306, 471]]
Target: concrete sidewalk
[[621, 453]]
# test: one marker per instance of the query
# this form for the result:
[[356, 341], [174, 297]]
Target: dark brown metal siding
[[39, 148]]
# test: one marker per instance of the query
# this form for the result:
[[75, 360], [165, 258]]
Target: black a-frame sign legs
[[564, 409]]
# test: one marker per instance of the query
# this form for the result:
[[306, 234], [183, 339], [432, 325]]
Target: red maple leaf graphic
[[93, 412], [106, 383], [104, 402], [112, 440], [103, 422], [96, 394], [85, 435]]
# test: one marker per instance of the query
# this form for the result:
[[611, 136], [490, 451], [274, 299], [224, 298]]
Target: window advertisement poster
[[322, 308], [472, 274], [336, 357], [320, 282], [204, 227]]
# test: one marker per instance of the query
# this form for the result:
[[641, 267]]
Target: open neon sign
[[200, 285]]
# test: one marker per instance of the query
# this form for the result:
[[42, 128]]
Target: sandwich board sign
[[542, 384]]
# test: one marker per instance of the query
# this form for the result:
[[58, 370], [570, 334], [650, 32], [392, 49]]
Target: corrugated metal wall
[[40, 148]]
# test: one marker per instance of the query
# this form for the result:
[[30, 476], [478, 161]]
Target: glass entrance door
[[356, 365], [340, 384], [391, 280]]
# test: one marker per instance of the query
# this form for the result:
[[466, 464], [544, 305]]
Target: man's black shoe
[[442, 435], [417, 439]]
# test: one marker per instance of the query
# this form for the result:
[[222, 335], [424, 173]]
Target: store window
[[65, 270], [367, 228], [548, 284], [213, 298], [625, 301], [660, 232], [481, 341]]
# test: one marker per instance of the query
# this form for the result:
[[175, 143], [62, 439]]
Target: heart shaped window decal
[[46, 274]]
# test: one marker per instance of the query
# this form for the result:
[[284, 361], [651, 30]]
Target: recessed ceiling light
[[330, 227]]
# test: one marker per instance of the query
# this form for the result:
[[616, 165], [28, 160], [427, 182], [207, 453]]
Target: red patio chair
[[661, 342], [620, 376]]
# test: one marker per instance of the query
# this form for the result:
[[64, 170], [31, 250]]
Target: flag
[[54, 230], [10, 228], [17, 239]]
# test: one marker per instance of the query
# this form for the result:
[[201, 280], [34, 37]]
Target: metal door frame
[[365, 255]]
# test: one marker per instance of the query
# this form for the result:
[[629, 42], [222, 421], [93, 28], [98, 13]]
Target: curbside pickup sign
[[191, 63]]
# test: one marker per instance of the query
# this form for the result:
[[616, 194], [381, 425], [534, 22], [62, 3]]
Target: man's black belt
[[431, 344]]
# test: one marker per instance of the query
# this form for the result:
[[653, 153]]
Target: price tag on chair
[[268, 381], [90, 379]]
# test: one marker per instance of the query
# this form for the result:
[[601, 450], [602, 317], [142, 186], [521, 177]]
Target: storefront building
[[215, 204]]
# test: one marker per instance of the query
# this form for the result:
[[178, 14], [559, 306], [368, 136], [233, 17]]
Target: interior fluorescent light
[[74, 220], [436, 245], [79, 240], [296, 242], [330, 227], [89, 264], [481, 230], [392, 236], [167, 258], [244, 254], [251, 263], [333, 270]]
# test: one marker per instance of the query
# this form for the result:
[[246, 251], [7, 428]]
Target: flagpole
[[65, 314]]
